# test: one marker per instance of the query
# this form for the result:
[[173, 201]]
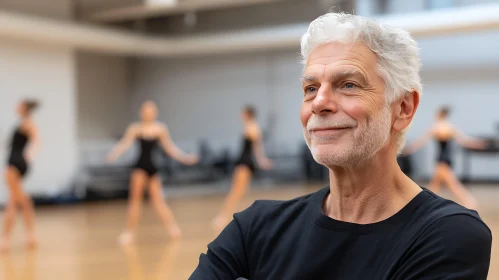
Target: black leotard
[[444, 153], [145, 161], [246, 157], [16, 158]]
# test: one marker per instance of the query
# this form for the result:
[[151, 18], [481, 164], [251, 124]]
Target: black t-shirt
[[430, 238]]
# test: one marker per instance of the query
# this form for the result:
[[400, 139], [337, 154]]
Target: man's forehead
[[334, 59], [332, 52]]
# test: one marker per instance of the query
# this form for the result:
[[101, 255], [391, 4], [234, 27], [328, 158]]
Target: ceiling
[[201, 16], [86, 7], [275, 24]]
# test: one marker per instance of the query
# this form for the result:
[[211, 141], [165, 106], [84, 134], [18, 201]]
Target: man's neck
[[370, 193]]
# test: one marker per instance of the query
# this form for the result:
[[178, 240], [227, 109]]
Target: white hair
[[396, 50]]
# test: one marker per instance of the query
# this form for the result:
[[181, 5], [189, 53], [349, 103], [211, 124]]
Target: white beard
[[364, 145]]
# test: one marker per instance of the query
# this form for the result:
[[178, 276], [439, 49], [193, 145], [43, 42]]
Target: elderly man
[[361, 89]]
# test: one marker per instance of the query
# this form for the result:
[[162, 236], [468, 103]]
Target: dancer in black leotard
[[444, 132], [16, 158], [25, 135], [145, 161], [246, 157], [444, 152], [245, 166], [149, 134]]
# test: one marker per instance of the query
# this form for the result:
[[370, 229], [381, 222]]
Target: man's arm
[[226, 257], [455, 247]]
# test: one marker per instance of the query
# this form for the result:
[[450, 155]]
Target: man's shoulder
[[444, 240], [438, 208], [442, 215]]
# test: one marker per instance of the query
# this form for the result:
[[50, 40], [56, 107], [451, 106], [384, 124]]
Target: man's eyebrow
[[338, 76], [351, 73], [308, 79]]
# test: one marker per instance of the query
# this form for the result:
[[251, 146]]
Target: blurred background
[[91, 63]]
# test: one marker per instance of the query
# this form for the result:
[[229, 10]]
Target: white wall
[[201, 98], [45, 73], [285, 90], [460, 71], [473, 96], [103, 93]]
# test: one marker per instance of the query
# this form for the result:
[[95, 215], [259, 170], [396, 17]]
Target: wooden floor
[[79, 242]]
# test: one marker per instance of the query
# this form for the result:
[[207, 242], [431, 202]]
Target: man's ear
[[405, 109]]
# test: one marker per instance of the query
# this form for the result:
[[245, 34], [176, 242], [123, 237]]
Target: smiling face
[[345, 116]]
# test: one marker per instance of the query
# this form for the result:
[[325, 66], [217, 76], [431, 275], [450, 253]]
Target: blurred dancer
[[252, 148], [444, 132], [149, 133], [24, 136]]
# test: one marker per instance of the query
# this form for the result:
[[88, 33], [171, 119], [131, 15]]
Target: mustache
[[315, 122]]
